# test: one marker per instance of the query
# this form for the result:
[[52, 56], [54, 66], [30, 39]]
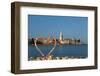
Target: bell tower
[[61, 36]]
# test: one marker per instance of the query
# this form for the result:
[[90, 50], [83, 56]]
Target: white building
[[61, 36]]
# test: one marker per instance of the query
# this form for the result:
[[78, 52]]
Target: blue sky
[[70, 26]]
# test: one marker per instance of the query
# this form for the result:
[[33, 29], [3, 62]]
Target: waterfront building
[[61, 36], [44, 40], [67, 41], [48, 40]]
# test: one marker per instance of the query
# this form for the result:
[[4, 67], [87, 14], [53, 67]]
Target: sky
[[71, 26]]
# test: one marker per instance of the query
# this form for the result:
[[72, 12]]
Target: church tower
[[61, 36]]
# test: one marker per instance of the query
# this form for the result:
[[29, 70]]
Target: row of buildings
[[68, 41], [61, 40]]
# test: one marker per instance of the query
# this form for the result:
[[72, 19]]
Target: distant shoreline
[[57, 44]]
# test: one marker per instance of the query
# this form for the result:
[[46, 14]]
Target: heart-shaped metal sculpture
[[39, 50]]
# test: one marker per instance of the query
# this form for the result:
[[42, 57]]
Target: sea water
[[60, 50]]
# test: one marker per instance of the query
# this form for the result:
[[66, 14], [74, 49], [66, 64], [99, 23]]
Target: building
[[61, 36], [67, 41], [61, 40], [44, 40]]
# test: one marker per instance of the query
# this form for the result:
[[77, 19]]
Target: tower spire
[[61, 36]]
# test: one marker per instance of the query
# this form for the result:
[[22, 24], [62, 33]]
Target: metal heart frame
[[39, 50]]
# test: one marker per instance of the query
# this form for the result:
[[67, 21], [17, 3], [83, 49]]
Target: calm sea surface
[[60, 50]]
